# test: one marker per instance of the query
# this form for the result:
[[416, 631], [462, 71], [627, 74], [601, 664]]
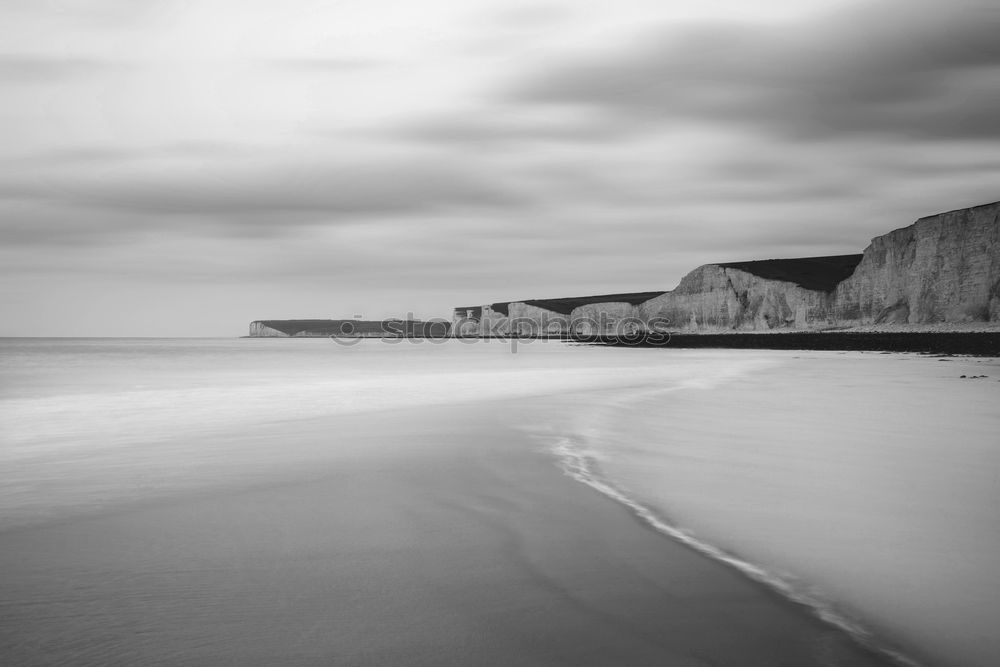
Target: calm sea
[[865, 486]]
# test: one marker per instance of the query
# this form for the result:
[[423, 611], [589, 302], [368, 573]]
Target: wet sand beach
[[441, 537]]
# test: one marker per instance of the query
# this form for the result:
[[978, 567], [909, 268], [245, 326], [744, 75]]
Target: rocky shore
[[977, 343]]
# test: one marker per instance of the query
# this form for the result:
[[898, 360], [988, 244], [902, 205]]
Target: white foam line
[[576, 464]]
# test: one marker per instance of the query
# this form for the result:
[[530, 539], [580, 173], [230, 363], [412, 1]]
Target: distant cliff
[[391, 328], [944, 268]]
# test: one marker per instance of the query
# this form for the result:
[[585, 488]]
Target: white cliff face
[[613, 317], [525, 319], [494, 323], [713, 298], [943, 268], [260, 330]]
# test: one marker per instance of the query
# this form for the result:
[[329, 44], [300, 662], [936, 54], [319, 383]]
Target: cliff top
[[567, 304], [957, 210], [815, 273], [331, 327]]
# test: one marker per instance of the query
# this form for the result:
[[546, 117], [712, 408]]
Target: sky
[[181, 167]]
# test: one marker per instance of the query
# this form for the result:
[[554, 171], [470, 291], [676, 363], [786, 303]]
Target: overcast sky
[[179, 167]]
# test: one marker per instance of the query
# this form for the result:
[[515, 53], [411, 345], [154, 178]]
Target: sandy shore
[[430, 544]]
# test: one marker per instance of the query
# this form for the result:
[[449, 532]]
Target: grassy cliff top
[[815, 273], [339, 327], [567, 304]]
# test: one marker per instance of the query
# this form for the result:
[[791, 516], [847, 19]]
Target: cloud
[[924, 70], [33, 69], [509, 127], [84, 11], [323, 65], [92, 195], [98, 155], [531, 15], [332, 190]]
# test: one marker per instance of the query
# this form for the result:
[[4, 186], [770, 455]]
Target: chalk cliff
[[716, 297], [390, 328], [944, 268]]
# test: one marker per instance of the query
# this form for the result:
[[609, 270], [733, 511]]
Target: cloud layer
[[915, 70], [328, 161]]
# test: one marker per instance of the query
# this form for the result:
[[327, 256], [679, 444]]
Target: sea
[[863, 487]]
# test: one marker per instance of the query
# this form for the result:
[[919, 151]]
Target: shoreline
[[809, 481], [581, 467], [444, 538]]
